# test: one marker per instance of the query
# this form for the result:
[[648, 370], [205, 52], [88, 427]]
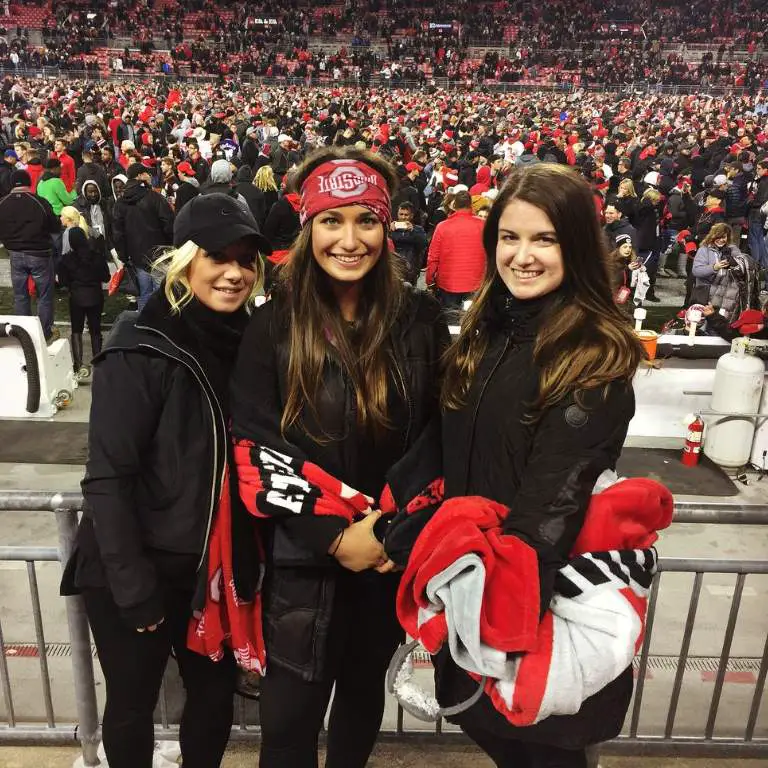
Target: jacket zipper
[[212, 503], [477, 409]]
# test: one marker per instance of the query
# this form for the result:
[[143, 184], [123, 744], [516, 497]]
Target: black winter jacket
[[682, 210], [301, 577], [282, 225], [736, 197], [27, 222], [142, 221], [759, 199], [545, 473], [83, 269], [647, 226], [157, 448]]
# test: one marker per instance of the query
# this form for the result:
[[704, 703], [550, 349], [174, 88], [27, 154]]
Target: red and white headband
[[339, 183]]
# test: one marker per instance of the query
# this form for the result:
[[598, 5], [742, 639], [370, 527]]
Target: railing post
[[80, 640]]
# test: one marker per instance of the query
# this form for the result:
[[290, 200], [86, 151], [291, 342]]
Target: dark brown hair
[[317, 328], [584, 342]]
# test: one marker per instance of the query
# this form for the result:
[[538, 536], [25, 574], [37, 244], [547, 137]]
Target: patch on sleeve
[[575, 416]]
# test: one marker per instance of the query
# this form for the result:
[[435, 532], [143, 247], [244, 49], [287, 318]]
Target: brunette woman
[[157, 446], [537, 397], [337, 371]]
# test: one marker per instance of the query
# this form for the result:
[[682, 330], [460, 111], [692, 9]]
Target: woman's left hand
[[385, 566]]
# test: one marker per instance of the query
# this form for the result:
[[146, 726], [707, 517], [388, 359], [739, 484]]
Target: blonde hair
[[629, 186], [265, 179], [75, 218], [174, 265], [651, 194]]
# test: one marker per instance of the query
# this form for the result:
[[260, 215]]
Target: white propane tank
[[738, 386]]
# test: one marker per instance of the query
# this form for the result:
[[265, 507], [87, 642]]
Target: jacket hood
[[135, 192], [244, 174], [121, 177], [91, 183], [483, 175]]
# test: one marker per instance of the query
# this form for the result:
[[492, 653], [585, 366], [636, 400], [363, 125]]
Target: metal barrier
[[378, 81], [66, 506]]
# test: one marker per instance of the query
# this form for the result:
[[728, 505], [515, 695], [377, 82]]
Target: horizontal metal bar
[[715, 512], [640, 746], [720, 513], [702, 565], [25, 501], [29, 553], [681, 746], [30, 735]]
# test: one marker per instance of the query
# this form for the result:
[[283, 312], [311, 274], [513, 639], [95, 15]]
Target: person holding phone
[[715, 256]]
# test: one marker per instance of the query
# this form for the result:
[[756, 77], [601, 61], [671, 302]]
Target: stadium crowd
[[664, 169], [569, 43]]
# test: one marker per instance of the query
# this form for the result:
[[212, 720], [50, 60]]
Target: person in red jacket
[[68, 172], [456, 259]]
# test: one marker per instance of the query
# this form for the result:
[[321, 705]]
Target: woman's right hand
[[357, 549], [720, 264]]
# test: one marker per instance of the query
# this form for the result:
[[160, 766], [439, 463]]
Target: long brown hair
[[317, 329], [584, 341]]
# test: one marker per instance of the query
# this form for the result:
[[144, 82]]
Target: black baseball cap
[[215, 221]]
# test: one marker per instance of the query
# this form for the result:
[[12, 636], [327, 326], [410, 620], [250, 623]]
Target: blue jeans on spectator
[[40, 268], [757, 245], [453, 304], [146, 287]]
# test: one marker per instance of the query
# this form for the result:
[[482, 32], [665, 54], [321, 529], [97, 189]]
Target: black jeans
[[79, 314], [507, 753], [363, 635], [133, 664]]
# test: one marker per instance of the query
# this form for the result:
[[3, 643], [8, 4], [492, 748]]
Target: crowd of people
[[274, 488], [562, 43], [664, 170]]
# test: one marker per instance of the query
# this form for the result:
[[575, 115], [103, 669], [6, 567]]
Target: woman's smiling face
[[528, 255], [347, 242]]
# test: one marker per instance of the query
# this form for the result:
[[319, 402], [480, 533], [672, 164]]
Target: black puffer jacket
[[157, 448], [142, 221], [83, 269], [544, 472], [301, 577]]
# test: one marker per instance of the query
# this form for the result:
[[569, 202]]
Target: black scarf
[[217, 338]]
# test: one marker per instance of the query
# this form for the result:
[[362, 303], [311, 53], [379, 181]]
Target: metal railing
[[378, 81], [665, 741]]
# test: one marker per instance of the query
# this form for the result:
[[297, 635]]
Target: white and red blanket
[[472, 587]]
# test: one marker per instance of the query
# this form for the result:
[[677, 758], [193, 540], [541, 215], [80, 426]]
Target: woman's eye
[[329, 220]]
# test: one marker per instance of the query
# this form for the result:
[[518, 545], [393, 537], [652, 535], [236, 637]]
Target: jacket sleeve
[[118, 229], [165, 215], [52, 222], [127, 398], [573, 443], [702, 263], [433, 257], [256, 408]]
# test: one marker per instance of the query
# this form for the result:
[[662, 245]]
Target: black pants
[[133, 664], [507, 753], [364, 634], [79, 314]]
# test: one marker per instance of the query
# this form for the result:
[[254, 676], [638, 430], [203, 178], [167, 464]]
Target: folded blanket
[[476, 589]]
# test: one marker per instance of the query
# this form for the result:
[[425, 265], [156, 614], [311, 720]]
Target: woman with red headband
[[336, 379]]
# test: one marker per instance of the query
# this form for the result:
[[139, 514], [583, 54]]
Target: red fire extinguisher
[[692, 447]]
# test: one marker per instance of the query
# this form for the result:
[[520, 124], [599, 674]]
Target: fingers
[[386, 567], [151, 627]]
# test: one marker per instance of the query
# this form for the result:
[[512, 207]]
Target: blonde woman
[[70, 217], [157, 449], [649, 236], [626, 200], [265, 182]]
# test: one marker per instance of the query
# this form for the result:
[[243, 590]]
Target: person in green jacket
[[52, 188]]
